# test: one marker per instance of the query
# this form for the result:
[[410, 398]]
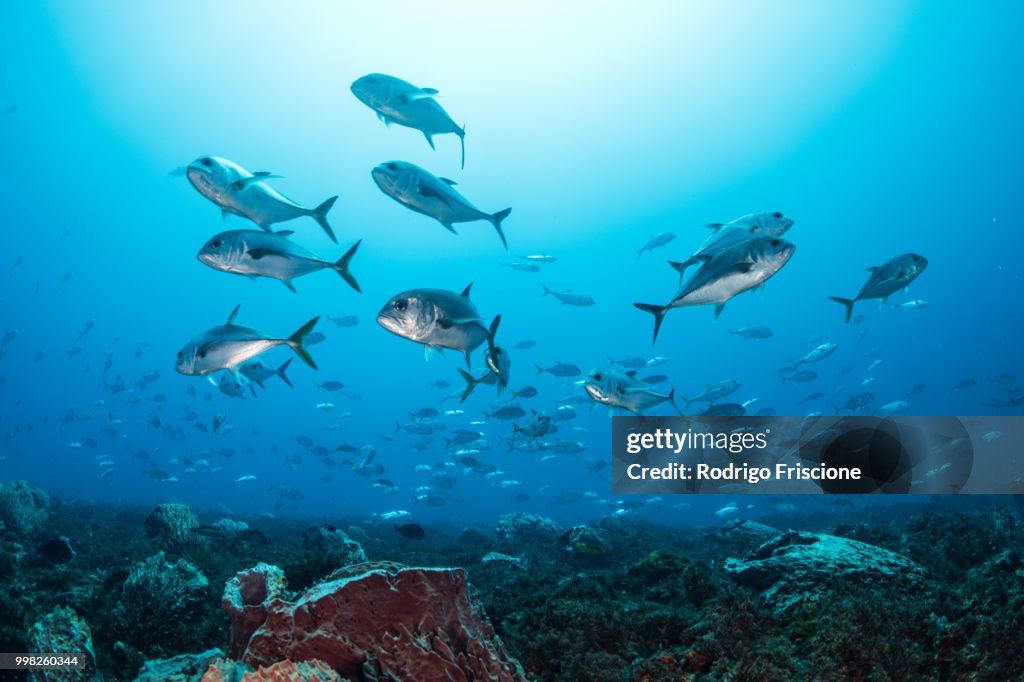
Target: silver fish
[[423, 192], [742, 267], [569, 298], [401, 102], [246, 194], [437, 318], [886, 279], [713, 392], [656, 241], [270, 254], [256, 370], [229, 345], [625, 391], [765, 224]]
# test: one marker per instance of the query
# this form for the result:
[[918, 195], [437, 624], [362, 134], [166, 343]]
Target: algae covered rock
[[336, 541], [247, 598], [797, 566], [183, 668], [63, 631], [159, 603], [172, 524], [23, 509], [521, 527]]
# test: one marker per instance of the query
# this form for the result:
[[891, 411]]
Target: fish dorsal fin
[[231, 317], [631, 373], [465, 292], [430, 91], [448, 181], [285, 233]]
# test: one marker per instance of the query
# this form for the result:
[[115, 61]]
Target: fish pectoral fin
[[288, 283], [718, 310], [258, 253], [431, 193], [631, 373], [449, 182], [256, 177]]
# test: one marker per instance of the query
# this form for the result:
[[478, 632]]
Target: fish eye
[[597, 376], [400, 305], [391, 166], [179, 353], [776, 242], [206, 161], [215, 244], [369, 79], [776, 215]]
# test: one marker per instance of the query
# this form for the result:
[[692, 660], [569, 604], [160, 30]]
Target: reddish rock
[[285, 671], [383, 621], [247, 598]]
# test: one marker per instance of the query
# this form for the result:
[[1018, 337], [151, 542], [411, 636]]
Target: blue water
[[881, 128]]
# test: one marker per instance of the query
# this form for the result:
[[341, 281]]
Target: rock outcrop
[[797, 566], [378, 621], [172, 524], [62, 631]]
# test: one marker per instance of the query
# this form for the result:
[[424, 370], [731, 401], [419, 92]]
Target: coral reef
[[63, 631], [798, 566], [520, 527], [23, 509], [183, 668], [172, 524], [157, 604], [247, 599], [386, 621], [283, 671]]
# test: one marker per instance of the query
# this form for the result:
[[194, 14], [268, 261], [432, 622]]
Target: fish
[[411, 531], [749, 332], [438, 319], [344, 320], [56, 550], [713, 392], [521, 267], [724, 410], [398, 101], [525, 392], [560, 369], [895, 406], [856, 402], [243, 479], [886, 279], [506, 413], [229, 345], [918, 304], [435, 197], [817, 395], [569, 298], [655, 241], [541, 258], [257, 371], [817, 354], [624, 391], [766, 223], [234, 385], [801, 377], [731, 272], [270, 254], [237, 191], [524, 345], [489, 378], [331, 386]]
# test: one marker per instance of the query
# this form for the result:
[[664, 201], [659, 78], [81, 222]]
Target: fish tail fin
[[639, 252], [342, 266], [672, 399], [470, 384], [462, 143], [281, 372], [846, 303], [546, 290], [320, 215], [540, 370], [659, 316], [688, 403], [297, 341], [496, 219]]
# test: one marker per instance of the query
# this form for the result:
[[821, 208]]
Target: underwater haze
[[879, 128]]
